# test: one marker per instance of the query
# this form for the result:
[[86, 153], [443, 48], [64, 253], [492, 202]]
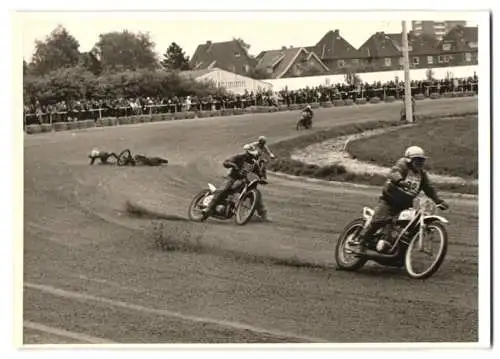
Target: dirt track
[[92, 272]]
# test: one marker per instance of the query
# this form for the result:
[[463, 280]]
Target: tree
[[429, 74], [258, 74], [59, 50], [25, 67], [353, 79], [243, 45], [175, 58], [119, 51], [90, 62]]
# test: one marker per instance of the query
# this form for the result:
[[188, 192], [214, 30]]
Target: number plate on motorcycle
[[406, 215], [207, 200]]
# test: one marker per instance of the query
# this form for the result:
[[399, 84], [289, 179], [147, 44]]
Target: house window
[[355, 62], [468, 57], [388, 61], [340, 63], [247, 68], [401, 61], [444, 59], [446, 47], [416, 60], [473, 45], [430, 59]]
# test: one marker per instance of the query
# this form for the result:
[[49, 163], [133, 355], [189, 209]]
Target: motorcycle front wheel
[[194, 211], [415, 247], [124, 157], [344, 259], [300, 125], [243, 211]]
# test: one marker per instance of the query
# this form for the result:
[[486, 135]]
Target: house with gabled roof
[[229, 55], [459, 47], [422, 49], [290, 62], [336, 53], [380, 52]]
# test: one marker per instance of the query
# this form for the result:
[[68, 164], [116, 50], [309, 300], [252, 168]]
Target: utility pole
[[406, 62]]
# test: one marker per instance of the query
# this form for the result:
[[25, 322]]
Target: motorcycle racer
[[102, 155], [240, 165], [405, 181], [308, 112], [263, 149]]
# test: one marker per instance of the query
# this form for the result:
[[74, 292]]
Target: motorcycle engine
[[383, 246], [220, 208]]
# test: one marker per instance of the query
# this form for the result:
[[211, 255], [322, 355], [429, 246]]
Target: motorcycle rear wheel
[[340, 250], [241, 219]]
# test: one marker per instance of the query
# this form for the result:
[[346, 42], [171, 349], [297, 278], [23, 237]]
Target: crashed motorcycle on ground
[[125, 158], [399, 242], [305, 122], [240, 204]]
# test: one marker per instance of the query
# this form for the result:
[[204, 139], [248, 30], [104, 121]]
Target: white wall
[[235, 83], [420, 74]]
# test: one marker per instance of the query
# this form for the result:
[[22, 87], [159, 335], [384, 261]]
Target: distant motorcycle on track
[[305, 122]]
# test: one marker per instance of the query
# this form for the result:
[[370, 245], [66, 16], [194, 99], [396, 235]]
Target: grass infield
[[451, 146]]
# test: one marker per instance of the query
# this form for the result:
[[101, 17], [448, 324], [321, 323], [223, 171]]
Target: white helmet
[[262, 139], [308, 107], [251, 150], [415, 152], [94, 152]]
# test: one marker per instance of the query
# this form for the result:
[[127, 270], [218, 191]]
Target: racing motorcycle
[[398, 243], [125, 158], [235, 205], [305, 122]]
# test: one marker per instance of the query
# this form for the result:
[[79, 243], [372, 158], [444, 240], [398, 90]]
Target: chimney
[[209, 42], [336, 32], [283, 48]]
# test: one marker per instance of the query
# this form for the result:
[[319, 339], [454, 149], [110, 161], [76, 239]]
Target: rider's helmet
[[262, 140], [251, 150], [308, 107], [94, 152], [416, 155]]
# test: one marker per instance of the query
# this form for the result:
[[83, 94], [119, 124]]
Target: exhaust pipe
[[371, 254]]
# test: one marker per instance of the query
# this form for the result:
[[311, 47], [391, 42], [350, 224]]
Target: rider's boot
[[263, 216], [361, 240]]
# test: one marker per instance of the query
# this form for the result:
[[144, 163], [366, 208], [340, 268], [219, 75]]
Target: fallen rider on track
[[125, 158]]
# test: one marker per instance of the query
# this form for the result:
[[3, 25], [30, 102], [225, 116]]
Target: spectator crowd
[[99, 108]]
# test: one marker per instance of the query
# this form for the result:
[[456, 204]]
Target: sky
[[262, 31]]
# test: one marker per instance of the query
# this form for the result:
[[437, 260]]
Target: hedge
[[361, 101], [327, 104], [375, 100], [435, 95], [76, 82], [337, 103], [390, 99], [419, 96], [348, 102]]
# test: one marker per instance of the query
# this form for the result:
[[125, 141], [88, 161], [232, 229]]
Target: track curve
[[89, 268]]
